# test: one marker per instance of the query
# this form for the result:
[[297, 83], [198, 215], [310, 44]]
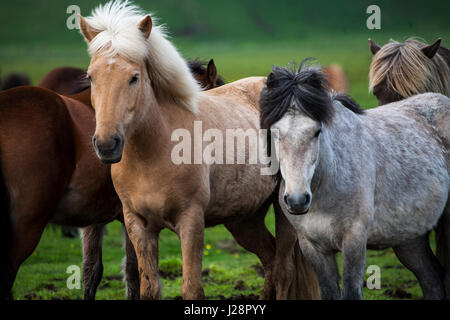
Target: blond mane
[[408, 71], [117, 23]]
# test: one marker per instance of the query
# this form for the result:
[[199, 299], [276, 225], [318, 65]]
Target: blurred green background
[[245, 38]]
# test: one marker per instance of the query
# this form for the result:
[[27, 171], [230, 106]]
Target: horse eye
[[317, 133], [134, 79]]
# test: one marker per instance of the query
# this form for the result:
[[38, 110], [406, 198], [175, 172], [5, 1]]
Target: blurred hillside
[[29, 22]]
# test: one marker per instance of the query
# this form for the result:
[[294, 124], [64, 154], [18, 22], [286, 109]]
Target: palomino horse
[[142, 93], [401, 70], [72, 80], [375, 179], [89, 200]]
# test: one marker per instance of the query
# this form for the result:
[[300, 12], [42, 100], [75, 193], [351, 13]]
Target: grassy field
[[245, 38], [229, 272]]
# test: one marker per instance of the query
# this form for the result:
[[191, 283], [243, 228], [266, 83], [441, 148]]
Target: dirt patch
[[240, 285], [104, 286], [259, 269], [228, 245], [171, 275], [119, 278], [50, 287], [393, 267], [398, 293], [32, 296]]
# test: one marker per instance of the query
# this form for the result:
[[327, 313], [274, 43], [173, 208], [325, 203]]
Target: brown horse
[[89, 200], [336, 78], [13, 80], [400, 70], [65, 80], [37, 161], [142, 93], [206, 77]]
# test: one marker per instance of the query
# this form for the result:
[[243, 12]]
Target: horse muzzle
[[109, 150], [297, 204]]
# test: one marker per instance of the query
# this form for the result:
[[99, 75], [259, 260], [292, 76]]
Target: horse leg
[[92, 259], [326, 269], [252, 234], [294, 276], [26, 234], [190, 229], [443, 245], [417, 256], [131, 270], [354, 247], [144, 239]]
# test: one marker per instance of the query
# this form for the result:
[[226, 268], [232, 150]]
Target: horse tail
[[306, 283], [5, 236], [441, 236], [337, 78]]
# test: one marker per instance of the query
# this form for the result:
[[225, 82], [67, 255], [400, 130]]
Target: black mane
[[303, 89], [348, 102]]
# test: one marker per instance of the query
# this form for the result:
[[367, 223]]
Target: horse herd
[[85, 148]]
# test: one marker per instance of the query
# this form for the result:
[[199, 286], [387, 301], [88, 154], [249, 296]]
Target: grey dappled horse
[[369, 179]]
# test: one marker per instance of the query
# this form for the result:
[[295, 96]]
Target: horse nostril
[[285, 198], [116, 142], [307, 198]]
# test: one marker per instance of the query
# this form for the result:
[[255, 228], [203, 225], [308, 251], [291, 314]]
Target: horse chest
[[319, 228]]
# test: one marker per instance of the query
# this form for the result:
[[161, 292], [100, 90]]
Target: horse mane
[[299, 89], [198, 67], [348, 102], [408, 71], [117, 22]]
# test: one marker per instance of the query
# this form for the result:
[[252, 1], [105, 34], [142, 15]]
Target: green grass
[[245, 38]]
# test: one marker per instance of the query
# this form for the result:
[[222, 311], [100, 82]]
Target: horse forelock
[[117, 23], [408, 71], [295, 89]]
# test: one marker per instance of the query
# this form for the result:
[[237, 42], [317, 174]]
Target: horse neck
[[151, 137], [330, 163]]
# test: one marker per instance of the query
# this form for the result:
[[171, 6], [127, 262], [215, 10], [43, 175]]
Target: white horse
[[372, 179]]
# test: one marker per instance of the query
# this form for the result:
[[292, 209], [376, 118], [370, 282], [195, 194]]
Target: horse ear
[[431, 50], [374, 47], [146, 26], [87, 31], [211, 71]]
